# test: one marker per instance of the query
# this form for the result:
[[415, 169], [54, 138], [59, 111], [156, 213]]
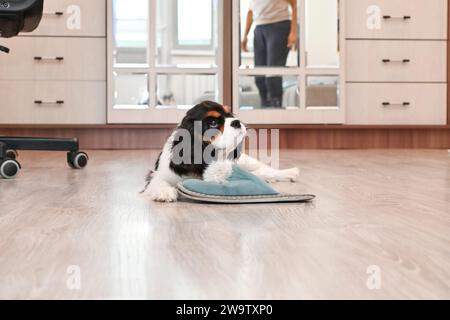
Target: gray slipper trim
[[279, 198]]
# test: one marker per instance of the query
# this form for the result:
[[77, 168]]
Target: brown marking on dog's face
[[213, 114]]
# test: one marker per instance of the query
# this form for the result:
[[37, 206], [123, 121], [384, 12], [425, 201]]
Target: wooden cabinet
[[396, 62], [389, 67], [57, 74]]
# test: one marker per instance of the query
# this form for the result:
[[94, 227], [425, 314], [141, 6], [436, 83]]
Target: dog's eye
[[214, 124]]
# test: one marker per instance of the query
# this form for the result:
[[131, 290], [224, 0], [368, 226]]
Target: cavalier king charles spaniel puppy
[[208, 134]]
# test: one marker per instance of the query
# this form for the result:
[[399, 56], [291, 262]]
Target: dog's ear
[[227, 109], [187, 124]]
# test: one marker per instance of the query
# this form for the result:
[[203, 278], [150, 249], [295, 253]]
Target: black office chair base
[[10, 167]]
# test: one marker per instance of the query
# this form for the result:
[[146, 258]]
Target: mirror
[[322, 33], [265, 26], [184, 91], [266, 31], [130, 31], [250, 95], [182, 38], [322, 92], [130, 90]]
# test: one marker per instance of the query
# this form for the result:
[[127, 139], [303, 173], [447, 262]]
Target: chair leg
[[9, 168], [2, 150]]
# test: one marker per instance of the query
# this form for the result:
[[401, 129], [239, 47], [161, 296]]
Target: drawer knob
[[396, 61], [49, 102], [49, 58], [403, 104], [399, 17]]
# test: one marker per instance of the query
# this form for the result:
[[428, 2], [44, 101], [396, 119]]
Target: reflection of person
[[275, 34]]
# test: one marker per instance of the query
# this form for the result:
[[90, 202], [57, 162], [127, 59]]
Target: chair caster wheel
[[77, 160], [12, 154], [9, 168]]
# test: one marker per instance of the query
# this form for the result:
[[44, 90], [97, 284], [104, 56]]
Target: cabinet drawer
[[397, 19], [396, 61], [49, 102], [73, 18], [396, 104], [48, 58]]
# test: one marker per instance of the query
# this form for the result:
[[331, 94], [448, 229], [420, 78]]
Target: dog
[[208, 132]]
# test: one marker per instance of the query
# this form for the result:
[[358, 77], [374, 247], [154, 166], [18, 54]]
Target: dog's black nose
[[236, 124]]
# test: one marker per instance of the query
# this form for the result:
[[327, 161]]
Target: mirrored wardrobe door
[[162, 60], [324, 68], [275, 84]]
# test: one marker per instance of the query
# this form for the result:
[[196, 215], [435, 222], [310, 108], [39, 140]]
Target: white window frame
[[152, 114], [288, 116]]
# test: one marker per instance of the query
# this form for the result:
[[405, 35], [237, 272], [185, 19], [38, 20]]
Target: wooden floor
[[389, 209]]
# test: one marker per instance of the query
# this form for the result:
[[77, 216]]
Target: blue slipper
[[240, 187]]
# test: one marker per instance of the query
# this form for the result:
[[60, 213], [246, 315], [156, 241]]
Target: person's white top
[[270, 11]]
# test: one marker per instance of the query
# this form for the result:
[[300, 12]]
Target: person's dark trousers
[[271, 50]]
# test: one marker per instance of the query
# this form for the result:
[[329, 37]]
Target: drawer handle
[[49, 102], [55, 13], [4, 49], [49, 58], [403, 104], [396, 61], [400, 17]]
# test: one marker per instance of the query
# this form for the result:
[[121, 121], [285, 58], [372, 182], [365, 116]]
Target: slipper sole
[[279, 198]]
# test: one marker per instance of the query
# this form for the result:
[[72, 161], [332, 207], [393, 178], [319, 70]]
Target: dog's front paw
[[292, 174], [287, 175], [164, 194]]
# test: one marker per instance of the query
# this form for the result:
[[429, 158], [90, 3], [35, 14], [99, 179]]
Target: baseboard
[[290, 138]]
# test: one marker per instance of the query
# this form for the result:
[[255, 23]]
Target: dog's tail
[[150, 175], [148, 179]]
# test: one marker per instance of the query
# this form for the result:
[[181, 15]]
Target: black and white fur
[[162, 181]]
